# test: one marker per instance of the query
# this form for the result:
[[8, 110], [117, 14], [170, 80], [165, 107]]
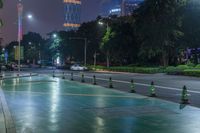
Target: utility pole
[[95, 59], [85, 52]]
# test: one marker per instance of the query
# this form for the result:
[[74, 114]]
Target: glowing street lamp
[[30, 16], [55, 35], [107, 54], [100, 23]]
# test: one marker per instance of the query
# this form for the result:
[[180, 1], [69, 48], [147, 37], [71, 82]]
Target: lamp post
[[107, 52], [85, 47], [95, 58]]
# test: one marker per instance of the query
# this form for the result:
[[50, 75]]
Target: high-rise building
[[129, 6], [115, 11], [72, 14]]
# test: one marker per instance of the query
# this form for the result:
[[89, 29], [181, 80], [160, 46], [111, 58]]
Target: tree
[[119, 41], [33, 46], [191, 26], [1, 22], [159, 24], [11, 50]]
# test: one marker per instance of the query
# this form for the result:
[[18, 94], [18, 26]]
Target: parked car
[[77, 67]]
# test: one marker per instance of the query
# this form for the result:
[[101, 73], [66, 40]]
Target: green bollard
[[1, 76], [132, 87], [184, 96], [72, 76], [63, 77], [94, 80], [54, 74], [152, 90], [110, 83], [82, 78]]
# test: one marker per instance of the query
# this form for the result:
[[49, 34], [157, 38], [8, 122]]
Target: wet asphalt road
[[168, 87]]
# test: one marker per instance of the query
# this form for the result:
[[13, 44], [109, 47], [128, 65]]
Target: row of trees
[[155, 34]]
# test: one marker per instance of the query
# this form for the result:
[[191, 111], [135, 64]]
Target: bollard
[[72, 76], [17, 78], [30, 74], [1, 76], [132, 87], [184, 96], [94, 80], [82, 78], [54, 74], [63, 77], [152, 90], [110, 83]]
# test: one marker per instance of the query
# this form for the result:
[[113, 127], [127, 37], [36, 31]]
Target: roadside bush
[[197, 66], [147, 70], [183, 67], [192, 72], [174, 70], [190, 64]]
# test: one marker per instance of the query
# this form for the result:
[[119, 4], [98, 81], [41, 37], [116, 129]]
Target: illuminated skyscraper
[[72, 14], [129, 6]]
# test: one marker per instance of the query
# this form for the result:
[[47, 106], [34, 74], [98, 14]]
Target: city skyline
[[90, 9], [43, 22]]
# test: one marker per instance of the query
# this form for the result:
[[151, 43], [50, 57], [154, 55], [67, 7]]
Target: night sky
[[48, 15]]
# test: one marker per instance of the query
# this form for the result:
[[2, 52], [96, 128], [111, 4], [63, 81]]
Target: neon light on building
[[72, 14]]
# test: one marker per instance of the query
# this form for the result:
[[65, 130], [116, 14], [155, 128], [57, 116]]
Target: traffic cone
[[152, 90], [184, 96], [72, 76], [110, 83], [94, 80], [63, 77], [132, 87], [82, 78]]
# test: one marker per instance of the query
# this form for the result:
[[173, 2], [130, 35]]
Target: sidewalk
[[6, 122], [2, 119]]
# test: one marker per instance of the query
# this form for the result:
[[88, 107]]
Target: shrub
[[192, 72], [197, 66], [183, 67]]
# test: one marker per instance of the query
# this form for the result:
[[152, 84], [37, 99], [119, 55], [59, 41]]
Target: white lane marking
[[142, 84]]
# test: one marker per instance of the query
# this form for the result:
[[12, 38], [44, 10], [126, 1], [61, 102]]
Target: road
[[46, 104], [168, 87]]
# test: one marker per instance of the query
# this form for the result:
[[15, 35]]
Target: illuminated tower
[[72, 14]]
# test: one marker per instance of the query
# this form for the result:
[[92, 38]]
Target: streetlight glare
[[54, 35], [30, 16], [100, 23]]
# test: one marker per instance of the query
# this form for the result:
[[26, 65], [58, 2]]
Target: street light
[[55, 35], [107, 53], [100, 23], [30, 16], [85, 47]]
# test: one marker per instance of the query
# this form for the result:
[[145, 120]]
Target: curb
[[9, 123]]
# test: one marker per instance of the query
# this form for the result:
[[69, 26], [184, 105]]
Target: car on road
[[77, 67]]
